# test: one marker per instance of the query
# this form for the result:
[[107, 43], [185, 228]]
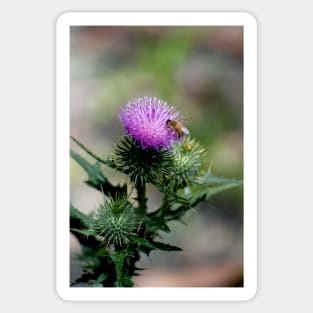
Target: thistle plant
[[155, 149]]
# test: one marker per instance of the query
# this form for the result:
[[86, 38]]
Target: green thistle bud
[[187, 162], [116, 220], [146, 165]]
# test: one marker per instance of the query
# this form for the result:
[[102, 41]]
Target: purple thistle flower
[[145, 119]]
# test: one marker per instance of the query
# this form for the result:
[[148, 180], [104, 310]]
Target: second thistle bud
[[116, 221], [187, 162]]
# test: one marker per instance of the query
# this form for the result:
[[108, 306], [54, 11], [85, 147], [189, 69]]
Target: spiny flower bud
[[141, 165], [187, 162], [116, 221]]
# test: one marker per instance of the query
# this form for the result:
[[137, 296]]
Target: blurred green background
[[199, 70]]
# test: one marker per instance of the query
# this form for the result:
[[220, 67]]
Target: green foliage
[[113, 238], [96, 179], [155, 223], [147, 246]]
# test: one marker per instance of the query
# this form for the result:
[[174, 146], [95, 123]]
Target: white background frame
[[250, 155]]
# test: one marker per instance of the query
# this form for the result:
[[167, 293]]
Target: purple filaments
[[145, 119]]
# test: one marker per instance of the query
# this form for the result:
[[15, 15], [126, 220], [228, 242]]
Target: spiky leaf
[[79, 220], [150, 245], [155, 223], [96, 179]]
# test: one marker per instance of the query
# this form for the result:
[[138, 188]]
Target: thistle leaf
[[195, 197], [80, 223], [102, 277], [96, 179], [155, 223], [154, 245], [208, 179], [143, 242], [84, 232], [78, 219], [166, 247]]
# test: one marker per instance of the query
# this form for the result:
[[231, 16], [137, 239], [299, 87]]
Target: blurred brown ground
[[220, 274]]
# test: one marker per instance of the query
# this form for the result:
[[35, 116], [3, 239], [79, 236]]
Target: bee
[[178, 127]]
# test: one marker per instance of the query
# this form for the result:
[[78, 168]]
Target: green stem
[[141, 197]]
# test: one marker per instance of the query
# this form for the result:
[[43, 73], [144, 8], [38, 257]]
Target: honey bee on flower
[[178, 127]]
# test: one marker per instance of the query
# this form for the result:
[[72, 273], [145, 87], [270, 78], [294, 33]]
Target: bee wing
[[186, 131]]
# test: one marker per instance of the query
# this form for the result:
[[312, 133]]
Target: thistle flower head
[[145, 120]]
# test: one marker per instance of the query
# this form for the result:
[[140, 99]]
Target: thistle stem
[[141, 197]]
